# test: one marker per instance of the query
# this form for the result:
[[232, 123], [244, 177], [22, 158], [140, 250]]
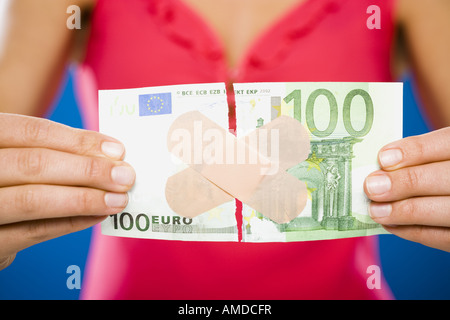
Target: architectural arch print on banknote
[[328, 174]]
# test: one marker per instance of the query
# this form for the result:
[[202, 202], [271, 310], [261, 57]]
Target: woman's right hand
[[55, 180]]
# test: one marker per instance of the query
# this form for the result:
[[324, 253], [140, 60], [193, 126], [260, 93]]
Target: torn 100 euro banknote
[[292, 170]]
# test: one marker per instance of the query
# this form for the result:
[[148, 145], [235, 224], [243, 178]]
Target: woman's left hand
[[411, 193]]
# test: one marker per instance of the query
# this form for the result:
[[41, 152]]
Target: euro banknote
[[346, 124]]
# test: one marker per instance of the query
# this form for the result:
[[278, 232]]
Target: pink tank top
[[140, 43]]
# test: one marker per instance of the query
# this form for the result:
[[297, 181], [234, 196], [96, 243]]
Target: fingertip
[[123, 175], [377, 185], [380, 210], [116, 200], [390, 158], [113, 150]]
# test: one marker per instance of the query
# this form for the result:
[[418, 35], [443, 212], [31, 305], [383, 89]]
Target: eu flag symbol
[[154, 104]]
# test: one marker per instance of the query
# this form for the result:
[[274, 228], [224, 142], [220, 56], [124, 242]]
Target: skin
[[57, 180], [60, 180], [415, 201]]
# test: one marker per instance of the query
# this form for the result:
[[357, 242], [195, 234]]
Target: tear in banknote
[[347, 124]]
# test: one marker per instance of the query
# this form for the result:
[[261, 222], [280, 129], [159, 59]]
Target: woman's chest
[[238, 23]]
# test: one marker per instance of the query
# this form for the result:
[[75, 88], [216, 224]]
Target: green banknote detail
[[347, 122], [344, 120]]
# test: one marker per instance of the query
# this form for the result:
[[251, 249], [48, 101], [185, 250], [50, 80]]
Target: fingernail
[[390, 158], [116, 200], [123, 175], [378, 210], [377, 185], [113, 150]]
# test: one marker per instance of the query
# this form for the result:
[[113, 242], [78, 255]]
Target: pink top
[[140, 43]]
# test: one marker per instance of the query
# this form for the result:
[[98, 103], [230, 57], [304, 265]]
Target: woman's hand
[[411, 192], [55, 180]]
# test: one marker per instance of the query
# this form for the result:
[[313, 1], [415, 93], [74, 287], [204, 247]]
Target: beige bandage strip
[[226, 167], [189, 193]]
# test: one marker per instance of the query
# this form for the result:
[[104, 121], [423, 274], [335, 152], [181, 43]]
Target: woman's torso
[[144, 43]]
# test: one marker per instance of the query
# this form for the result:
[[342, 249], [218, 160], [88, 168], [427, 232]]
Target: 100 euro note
[[348, 123], [140, 119]]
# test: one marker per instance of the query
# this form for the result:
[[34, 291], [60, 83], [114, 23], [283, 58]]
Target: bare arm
[[427, 31], [411, 193], [35, 50], [39, 200]]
